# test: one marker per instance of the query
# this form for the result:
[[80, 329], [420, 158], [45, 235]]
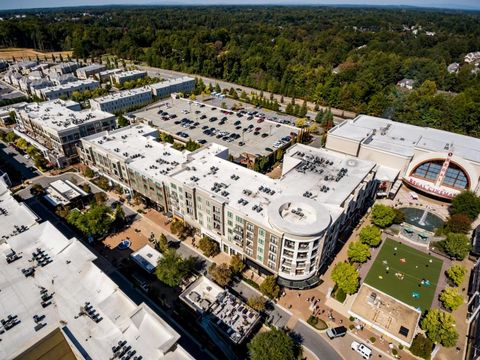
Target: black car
[[238, 122], [264, 135], [178, 122], [202, 141], [204, 127], [203, 116]]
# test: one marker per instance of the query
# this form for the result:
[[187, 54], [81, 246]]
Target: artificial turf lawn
[[414, 269]]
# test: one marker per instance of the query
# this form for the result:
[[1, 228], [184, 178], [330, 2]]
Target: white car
[[362, 349]]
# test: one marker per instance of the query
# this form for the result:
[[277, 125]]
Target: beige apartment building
[[291, 226]]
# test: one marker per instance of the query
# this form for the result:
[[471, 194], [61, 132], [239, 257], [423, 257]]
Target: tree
[[163, 244], [236, 264], [422, 347], [217, 88], [208, 246], [456, 274], [358, 252], [346, 277], [370, 235], [439, 327], [21, 144], [456, 245], [100, 198], [11, 137], [270, 288], [399, 216], [273, 344], [37, 190], [177, 227], [257, 302], [451, 299], [96, 221], [172, 268], [221, 274], [88, 173], [466, 203], [122, 121], [383, 215], [457, 223]]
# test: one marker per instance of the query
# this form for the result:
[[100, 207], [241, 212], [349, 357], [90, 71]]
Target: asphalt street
[[24, 166]]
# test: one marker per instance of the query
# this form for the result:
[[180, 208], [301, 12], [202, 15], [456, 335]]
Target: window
[[429, 170], [260, 250], [260, 257], [230, 223], [239, 219], [271, 265], [261, 232], [229, 215], [273, 239], [261, 241], [455, 177]]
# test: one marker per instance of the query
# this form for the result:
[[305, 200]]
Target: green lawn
[[404, 277]]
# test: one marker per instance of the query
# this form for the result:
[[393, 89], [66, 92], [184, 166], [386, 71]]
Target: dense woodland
[[288, 50]]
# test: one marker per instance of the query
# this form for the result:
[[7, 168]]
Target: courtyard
[[406, 274]]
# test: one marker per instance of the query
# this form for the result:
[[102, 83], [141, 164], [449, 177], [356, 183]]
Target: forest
[[348, 58]]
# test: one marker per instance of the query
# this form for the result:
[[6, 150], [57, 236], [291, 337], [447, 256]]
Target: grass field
[[404, 276], [19, 53]]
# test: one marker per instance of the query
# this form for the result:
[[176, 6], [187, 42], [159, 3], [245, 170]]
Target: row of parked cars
[[363, 350]]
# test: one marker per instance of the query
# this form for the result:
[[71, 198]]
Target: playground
[[406, 274]]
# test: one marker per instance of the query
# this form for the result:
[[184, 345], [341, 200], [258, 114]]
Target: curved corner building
[[291, 226]]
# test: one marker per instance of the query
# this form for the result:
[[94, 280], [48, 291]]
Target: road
[[339, 114], [14, 159], [315, 343]]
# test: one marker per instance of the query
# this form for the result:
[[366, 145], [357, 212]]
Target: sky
[[25, 4]]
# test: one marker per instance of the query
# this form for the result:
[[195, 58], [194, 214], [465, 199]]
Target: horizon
[[465, 5]]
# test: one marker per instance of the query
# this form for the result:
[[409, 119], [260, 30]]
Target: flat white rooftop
[[71, 293], [92, 67], [402, 139], [147, 258], [56, 115], [130, 73], [122, 95], [170, 82], [63, 192], [69, 86]]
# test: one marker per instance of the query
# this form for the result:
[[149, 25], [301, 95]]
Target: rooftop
[[50, 282], [63, 192], [130, 73], [92, 67], [402, 139], [147, 258], [69, 86], [121, 95], [171, 82], [57, 115], [313, 187], [14, 217], [231, 315]]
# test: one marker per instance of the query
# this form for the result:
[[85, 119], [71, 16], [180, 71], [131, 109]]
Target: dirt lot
[[19, 53]]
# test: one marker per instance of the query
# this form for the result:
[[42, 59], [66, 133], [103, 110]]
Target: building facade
[[66, 90], [166, 88], [435, 162], [56, 126], [290, 226], [123, 100], [121, 77], [90, 70]]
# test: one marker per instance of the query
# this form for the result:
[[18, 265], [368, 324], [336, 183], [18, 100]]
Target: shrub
[[88, 173], [340, 295], [383, 215], [451, 299], [394, 352], [457, 223], [466, 203], [373, 339], [351, 326], [257, 302], [399, 216], [221, 274], [358, 252]]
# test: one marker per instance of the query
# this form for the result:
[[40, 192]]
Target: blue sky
[[24, 4]]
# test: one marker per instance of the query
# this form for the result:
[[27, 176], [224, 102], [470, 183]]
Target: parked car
[[202, 141], [339, 331], [362, 349]]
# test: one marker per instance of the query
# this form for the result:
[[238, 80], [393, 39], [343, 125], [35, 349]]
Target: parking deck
[[241, 133]]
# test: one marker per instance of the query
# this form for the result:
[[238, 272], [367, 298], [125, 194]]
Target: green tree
[[100, 198], [456, 273], [11, 137], [457, 223], [422, 347], [370, 235], [346, 277], [88, 173], [21, 144], [208, 246], [270, 288], [217, 88], [122, 121], [96, 221], [221, 274], [439, 327], [236, 264], [383, 215], [358, 252], [456, 245], [172, 268], [451, 298], [192, 145], [257, 302], [163, 244], [273, 344], [466, 203]]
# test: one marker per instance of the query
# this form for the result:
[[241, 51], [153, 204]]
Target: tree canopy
[[96, 221], [273, 344], [370, 235], [451, 298], [172, 268], [270, 288], [440, 327], [456, 273], [468, 203], [358, 252], [221, 274], [383, 216], [456, 245], [346, 277]]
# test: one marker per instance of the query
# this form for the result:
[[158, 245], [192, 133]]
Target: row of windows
[[454, 176]]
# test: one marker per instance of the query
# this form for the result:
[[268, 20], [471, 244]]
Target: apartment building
[[66, 90], [90, 70], [64, 68], [123, 76], [123, 100], [55, 127], [437, 163], [290, 226], [166, 88], [106, 74]]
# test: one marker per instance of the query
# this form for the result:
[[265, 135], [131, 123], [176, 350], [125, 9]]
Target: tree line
[[337, 57]]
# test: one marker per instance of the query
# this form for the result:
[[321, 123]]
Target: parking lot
[[248, 131]]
